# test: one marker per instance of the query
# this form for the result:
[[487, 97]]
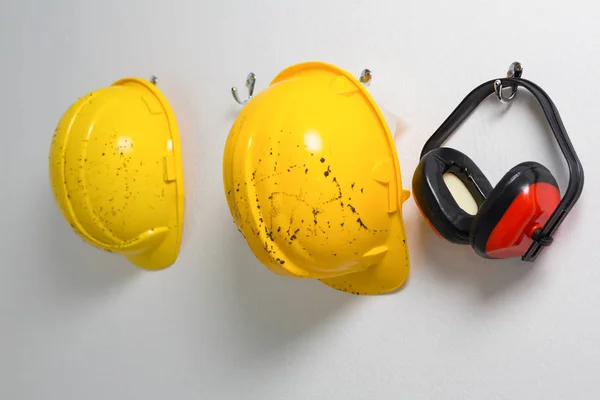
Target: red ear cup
[[520, 204], [434, 199]]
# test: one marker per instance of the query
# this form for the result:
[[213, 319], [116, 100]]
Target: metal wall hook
[[250, 81], [514, 71], [365, 77]]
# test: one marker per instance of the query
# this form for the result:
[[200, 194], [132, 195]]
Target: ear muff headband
[[576, 179]]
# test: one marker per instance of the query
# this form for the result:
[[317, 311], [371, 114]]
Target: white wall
[[76, 323]]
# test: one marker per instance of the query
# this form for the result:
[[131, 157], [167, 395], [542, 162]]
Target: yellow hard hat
[[116, 172], [313, 182]]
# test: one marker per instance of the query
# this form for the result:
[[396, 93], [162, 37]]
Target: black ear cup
[[434, 199], [517, 182]]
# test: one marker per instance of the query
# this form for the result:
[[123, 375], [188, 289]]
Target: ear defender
[[516, 218]]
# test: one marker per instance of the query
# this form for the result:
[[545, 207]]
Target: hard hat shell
[[313, 182], [116, 172]]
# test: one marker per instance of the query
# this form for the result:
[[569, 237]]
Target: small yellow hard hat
[[313, 182], [116, 172]]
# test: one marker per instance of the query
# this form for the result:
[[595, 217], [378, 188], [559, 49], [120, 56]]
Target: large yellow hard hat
[[116, 172], [313, 182]]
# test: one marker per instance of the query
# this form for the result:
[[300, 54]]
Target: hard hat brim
[[388, 275]]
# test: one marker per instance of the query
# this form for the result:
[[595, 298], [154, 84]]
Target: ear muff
[[519, 205], [434, 199], [497, 235]]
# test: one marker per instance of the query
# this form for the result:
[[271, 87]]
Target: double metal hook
[[514, 71], [365, 79], [250, 81]]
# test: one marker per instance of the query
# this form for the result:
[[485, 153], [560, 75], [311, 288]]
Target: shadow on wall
[[75, 270], [460, 265], [271, 311]]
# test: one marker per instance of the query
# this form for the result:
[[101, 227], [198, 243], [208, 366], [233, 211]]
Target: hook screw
[[365, 77]]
